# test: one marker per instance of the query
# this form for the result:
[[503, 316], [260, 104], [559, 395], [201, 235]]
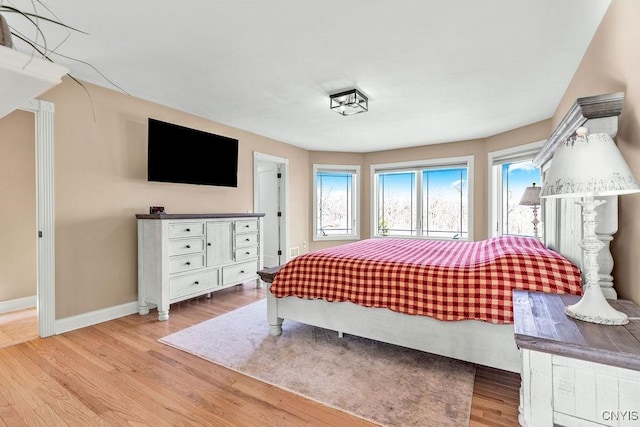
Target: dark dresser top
[[198, 216], [540, 324]]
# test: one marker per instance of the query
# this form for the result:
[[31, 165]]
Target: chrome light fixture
[[589, 166], [349, 102]]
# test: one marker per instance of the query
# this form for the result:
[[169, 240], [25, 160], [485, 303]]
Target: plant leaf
[[30, 15]]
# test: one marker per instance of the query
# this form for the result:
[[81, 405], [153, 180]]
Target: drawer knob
[[196, 283], [188, 263], [247, 253], [241, 271], [247, 226], [188, 229], [247, 240], [209, 244], [188, 246]]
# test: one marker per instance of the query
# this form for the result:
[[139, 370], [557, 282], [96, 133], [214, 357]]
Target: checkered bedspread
[[446, 280]]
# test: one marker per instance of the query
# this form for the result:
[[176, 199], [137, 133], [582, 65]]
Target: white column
[[607, 227]]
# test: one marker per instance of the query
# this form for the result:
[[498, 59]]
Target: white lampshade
[[531, 196], [588, 165]]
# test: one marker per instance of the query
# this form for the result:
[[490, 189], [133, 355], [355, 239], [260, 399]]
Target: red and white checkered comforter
[[446, 280]]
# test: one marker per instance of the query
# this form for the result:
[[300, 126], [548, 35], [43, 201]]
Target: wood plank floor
[[18, 326], [116, 373]]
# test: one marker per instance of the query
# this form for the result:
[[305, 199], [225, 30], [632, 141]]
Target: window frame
[[495, 160], [419, 166], [355, 201]]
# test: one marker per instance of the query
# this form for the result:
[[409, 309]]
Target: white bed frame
[[470, 340]]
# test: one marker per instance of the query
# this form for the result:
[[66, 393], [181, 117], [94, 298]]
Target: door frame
[[45, 220], [284, 196]]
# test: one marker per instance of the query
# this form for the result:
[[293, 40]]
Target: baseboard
[[94, 317], [18, 304]]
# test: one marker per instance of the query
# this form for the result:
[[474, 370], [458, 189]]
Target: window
[[336, 202], [428, 199], [510, 172]]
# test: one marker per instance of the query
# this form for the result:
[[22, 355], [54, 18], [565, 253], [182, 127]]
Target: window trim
[[355, 201], [494, 180], [440, 163]]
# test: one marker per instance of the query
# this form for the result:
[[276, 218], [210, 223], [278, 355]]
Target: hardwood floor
[[116, 373], [18, 326]]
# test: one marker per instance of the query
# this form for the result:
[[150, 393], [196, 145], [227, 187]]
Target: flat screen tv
[[190, 156]]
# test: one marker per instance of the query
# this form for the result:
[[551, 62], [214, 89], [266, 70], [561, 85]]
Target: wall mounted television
[[189, 156]]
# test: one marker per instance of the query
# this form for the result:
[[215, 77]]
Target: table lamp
[[587, 166], [531, 197]]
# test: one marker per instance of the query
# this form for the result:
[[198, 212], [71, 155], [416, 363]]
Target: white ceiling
[[434, 71]]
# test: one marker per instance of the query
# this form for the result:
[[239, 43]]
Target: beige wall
[[17, 206], [101, 183], [478, 148], [612, 64]]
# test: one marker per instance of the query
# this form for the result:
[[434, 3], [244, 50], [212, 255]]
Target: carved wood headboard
[[562, 222]]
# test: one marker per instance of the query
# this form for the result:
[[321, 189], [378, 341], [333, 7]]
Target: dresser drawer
[[186, 229], [246, 253], [185, 263], [239, 273], [186, 246], [244, 240], [193, 284], [246, 226]]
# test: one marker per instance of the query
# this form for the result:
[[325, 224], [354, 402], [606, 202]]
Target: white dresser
[[181, 256], [576, 373]]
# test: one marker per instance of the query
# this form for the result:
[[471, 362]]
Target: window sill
[[333, 237], [391, 236]]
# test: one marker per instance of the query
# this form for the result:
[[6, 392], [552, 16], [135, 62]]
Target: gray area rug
[[383, 383]]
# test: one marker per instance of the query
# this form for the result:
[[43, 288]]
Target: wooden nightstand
[[576, 373]]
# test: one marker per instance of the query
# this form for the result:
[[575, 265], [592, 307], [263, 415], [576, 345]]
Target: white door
[[269, 204], [271, 197]]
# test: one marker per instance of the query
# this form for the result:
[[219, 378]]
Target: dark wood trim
[[589, 107], [198, 216]]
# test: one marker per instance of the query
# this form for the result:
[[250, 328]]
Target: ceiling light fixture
[[349, 102]]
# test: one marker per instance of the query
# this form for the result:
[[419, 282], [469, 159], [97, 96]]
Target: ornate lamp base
[[535, 221], [593, 307]]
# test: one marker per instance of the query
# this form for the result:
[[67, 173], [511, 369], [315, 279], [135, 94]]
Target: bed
[[451, 298]]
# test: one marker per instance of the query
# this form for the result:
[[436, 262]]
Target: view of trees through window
[[429, 202], [443, 203], [397, 203], [516, 177], [334, 198], [445, 208]]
